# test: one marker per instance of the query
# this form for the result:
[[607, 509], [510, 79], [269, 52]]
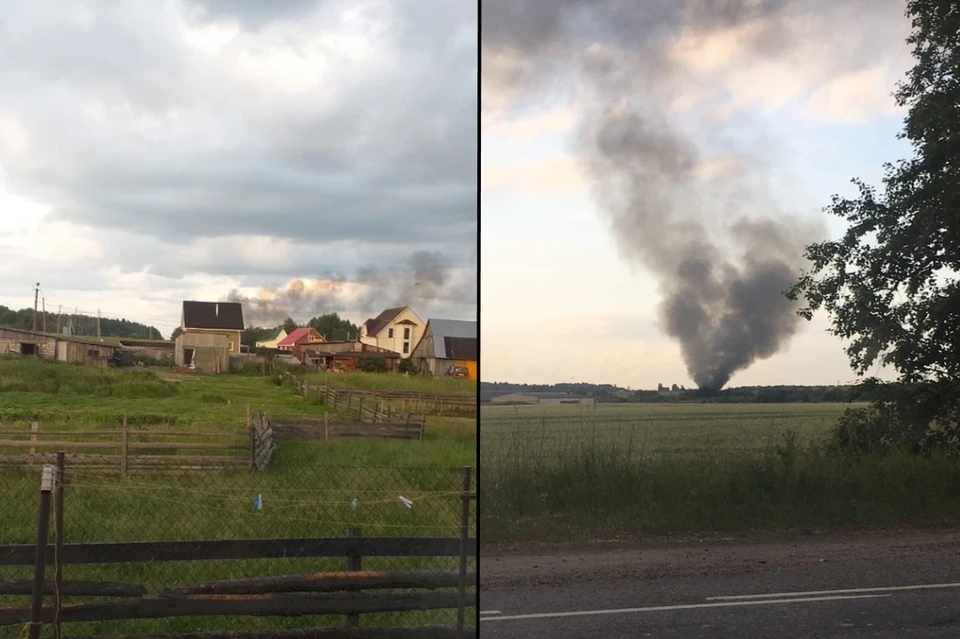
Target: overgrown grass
[[697, 468], [307, 492], [440, 385]]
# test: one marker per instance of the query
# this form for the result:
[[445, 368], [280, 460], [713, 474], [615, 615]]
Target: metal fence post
[[40, 561], [58, 543], [464, 536]]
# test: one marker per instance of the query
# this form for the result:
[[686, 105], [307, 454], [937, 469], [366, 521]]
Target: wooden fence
[[127, 450], [349, 593], [326, 429], [262, 444], [367, 409]]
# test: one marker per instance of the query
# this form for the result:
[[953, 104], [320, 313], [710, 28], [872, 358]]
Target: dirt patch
[[536, 564]]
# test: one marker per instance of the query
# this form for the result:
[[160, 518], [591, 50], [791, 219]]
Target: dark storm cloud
[[722, 252], [112, 119]]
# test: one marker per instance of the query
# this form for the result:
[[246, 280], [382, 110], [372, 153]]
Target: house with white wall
[[397, 329]]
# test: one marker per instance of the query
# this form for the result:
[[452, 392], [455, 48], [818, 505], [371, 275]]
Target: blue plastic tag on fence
[[353, 504], [258, 502]]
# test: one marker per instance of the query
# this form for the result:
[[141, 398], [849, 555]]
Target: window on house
[[406, 333], [389, 333], [92, 352], [406, 347]]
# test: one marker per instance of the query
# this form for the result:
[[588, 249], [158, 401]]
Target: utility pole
[[59, 311], [98, 323], [44, 314], [36, 296]]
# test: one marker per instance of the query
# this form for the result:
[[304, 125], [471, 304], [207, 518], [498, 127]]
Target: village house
[[275, 337], [298, 339], [448, 347], [209, 333], [214, 318], [396, 329]]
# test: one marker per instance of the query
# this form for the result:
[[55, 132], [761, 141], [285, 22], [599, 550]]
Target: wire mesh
[[394, 504]]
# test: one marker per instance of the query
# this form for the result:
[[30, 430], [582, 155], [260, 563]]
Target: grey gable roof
[[217, 315], [461, 332]]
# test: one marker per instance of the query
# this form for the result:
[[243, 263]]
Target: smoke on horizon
[[704, 226], [423, 282]]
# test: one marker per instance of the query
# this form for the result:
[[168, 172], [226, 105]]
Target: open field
[[622, 471], [308, 491]]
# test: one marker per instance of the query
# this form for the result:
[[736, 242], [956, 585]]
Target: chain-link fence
[[287, 533]]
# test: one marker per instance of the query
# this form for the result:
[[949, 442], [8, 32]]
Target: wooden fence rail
[[367, 409], [125, 450]]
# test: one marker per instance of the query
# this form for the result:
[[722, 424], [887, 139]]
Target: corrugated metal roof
[[440, 329]]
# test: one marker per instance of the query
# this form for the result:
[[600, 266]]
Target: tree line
[[78, 323]]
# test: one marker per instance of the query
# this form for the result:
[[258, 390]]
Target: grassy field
[[412, 383], [308, 491], [621, 471]]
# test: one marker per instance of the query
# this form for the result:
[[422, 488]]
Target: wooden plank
[[326, 632], [121, 552], [75, 588], [186, 445], [241, 605], [15, 443], [326, 582], [84, 460]]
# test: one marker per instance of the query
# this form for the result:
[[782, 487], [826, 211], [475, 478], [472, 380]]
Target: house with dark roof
[[396, 329], [448, 347], [298, 339], [209, 333]]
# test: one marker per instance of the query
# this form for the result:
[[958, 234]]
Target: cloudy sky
[[320, 153], [796, 95]]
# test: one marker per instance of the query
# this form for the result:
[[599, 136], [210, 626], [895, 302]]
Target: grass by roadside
[[542, 483]]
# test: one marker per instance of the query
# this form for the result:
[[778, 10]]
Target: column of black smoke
[[423, 282], [722, 275]]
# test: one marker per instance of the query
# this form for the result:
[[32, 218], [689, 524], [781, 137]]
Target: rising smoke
[[704, 226], [424, 281]]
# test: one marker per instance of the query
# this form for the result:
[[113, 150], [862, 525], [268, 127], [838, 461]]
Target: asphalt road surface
[[888, 585]]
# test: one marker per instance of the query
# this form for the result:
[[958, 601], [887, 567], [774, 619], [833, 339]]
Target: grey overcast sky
[[157, 151]]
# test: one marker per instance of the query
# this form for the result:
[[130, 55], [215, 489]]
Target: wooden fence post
[[360, 410], [40, 561], [58, 542], [253, 447], [464, 536], [354, 563], [34, 432], [326, 426], [125, 448]]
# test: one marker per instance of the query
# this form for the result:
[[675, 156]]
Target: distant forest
[[760, 394], [79, 324]]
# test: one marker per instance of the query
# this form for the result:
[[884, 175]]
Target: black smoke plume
[[704, 226], [424, 281]]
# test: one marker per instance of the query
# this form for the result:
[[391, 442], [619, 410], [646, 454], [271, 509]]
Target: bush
[[369, 364], [407, 366]]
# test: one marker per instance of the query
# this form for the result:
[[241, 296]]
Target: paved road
[[880, 585]]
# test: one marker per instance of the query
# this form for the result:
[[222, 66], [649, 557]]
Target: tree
[[890, 284], [289, 325], [177, 332], [334, 328]]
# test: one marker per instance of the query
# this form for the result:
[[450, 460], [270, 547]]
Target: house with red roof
[[396, 329], [298, 339]]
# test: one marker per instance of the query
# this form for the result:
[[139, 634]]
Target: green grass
[[440, 385], [306, 492], [623, 471]]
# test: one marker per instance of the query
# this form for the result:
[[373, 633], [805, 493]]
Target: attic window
[[389, 333]]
